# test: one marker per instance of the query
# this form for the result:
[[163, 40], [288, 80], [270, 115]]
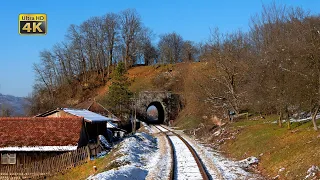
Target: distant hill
[[16, 104]]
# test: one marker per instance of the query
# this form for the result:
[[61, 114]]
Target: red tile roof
[[39, 131]]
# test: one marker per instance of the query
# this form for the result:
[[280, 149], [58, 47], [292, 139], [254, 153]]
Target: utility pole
[[131, 119], [135, 113]]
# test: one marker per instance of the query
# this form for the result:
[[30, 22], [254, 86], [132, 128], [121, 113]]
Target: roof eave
[[38, 148]]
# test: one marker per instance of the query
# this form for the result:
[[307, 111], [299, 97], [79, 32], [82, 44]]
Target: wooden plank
[[88, 153]]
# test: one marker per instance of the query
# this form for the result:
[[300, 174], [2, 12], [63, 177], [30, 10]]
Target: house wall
[[84, 139], [93, 130]]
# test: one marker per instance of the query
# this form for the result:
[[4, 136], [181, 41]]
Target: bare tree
[[112, 28], [170, 48], [228, 54], [144, 49], [130, 25], [189, 51], [281, 41], [150, 53]]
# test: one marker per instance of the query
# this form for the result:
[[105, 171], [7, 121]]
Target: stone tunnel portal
[[163, 106], [155, 113]]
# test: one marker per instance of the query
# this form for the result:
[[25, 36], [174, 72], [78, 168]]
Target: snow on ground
[[186, 167], [228, 169], [124, 173], [161, 169], [148, 157], [162, 129], [312, 172], [154, 130], [139, 155], [218, 166], [145, 125], [299, 120]]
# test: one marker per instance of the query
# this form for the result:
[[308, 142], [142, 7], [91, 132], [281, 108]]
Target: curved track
[[186, 163]]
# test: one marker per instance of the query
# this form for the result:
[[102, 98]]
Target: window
[[8, 158]]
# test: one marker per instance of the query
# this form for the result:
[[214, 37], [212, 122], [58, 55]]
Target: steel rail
[[204, 173], [172, 152]]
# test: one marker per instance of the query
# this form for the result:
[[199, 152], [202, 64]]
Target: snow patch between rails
[[138, 155]]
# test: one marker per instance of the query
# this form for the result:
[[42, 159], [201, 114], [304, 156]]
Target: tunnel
[[155, 113]]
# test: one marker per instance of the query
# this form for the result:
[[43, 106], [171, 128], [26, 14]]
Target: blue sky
[[191, 19]]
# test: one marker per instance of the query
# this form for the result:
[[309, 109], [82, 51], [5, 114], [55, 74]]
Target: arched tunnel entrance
[[155, 113]]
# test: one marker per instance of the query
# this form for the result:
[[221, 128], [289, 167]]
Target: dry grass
[[84, 171], [295, 150], [142, 77], [191, 115]]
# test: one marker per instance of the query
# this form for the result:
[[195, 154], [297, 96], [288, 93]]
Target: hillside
[[179, 78], [294, 151], [286, 154], [15, 104]]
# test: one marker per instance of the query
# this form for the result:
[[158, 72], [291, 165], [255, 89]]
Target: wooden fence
[[47, 167]]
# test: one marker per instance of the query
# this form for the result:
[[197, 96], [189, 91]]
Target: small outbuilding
[[28, 139], [95, 124]]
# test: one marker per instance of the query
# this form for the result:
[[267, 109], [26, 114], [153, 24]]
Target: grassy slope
[[295, 150], [85, 170]]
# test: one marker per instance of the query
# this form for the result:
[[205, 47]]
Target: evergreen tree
[[118, 97]]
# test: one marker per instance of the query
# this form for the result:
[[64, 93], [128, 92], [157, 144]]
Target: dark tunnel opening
[[155, 113]]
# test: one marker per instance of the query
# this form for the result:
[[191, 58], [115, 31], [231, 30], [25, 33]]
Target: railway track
[[186, 163]]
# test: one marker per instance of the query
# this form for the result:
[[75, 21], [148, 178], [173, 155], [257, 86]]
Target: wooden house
[[28, 139]]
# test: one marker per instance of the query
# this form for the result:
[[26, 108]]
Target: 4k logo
[[32, 24]]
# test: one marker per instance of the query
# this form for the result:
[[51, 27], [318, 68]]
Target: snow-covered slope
[[137, 151]]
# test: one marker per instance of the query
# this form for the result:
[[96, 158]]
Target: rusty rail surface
[[204, 173]]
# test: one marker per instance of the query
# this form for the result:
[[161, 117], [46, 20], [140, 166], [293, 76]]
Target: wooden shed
[[27, 139], [95, 124]]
